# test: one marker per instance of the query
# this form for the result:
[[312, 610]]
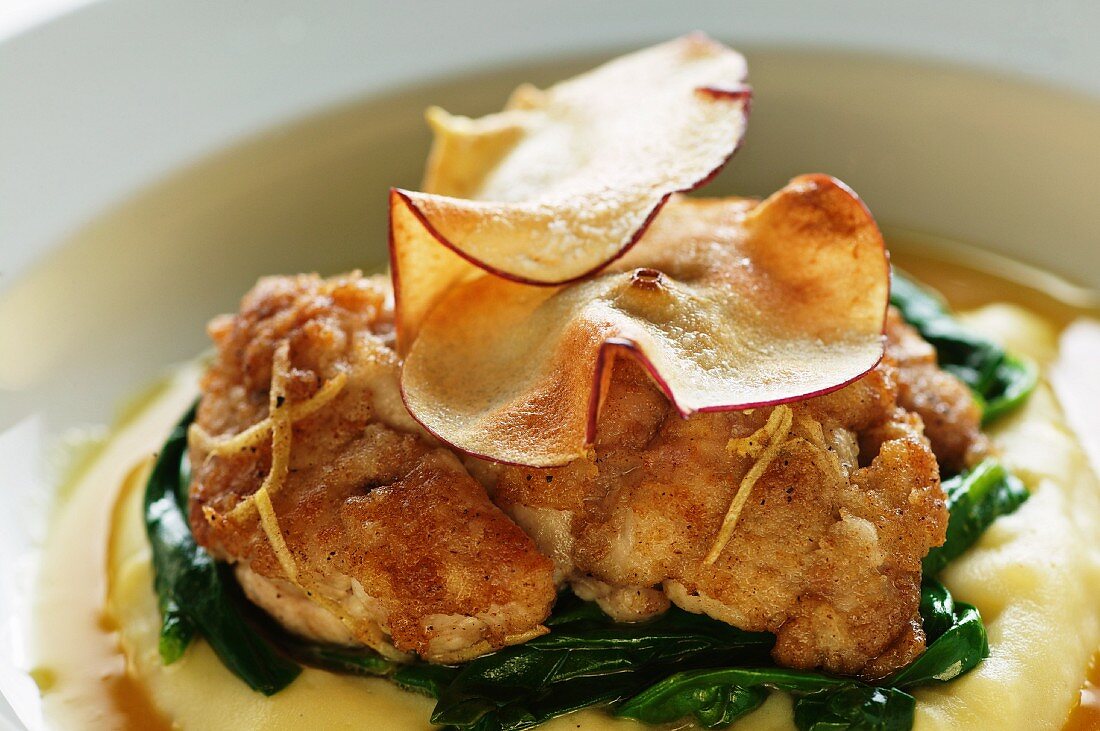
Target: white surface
[[17, 16], [22, 466], [112, 97]]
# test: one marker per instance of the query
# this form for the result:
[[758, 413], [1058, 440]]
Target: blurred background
[[99, 97]]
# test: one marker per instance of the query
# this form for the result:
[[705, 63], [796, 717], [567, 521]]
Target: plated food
[[595, 444]]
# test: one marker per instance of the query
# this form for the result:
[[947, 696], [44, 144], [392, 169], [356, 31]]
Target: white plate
[[128, 215]]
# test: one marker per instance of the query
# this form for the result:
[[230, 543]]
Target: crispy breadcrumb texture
[[843, 502], [952, 418], [808, 520], [390, 542]]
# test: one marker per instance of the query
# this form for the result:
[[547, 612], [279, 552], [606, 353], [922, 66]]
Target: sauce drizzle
[[1085, 716]]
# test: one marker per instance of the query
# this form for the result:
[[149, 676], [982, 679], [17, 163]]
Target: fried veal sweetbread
[[349, 525], [952, 418], [342, 521], [808, 520]]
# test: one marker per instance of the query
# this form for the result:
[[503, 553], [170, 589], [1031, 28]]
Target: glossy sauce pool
[[83, 675], [1086, 714], [81, 671]]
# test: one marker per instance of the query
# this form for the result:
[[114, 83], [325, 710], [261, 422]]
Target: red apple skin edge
[[614, 346], [740, 93], [611, 347], [604, 359]]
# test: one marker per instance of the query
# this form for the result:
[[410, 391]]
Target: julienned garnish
[[612, 447]]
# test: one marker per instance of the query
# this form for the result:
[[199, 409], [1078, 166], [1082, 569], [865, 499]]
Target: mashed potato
[[1034, 575]]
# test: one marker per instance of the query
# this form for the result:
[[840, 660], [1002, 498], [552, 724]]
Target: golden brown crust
[[952, 418], [386, 532], [826, 552], [395, 537]]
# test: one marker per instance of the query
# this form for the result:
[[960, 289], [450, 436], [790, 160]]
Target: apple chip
[[727, 303], [565, 179]]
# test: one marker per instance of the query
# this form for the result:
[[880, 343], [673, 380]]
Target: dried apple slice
[[727, 303], [574, 173]]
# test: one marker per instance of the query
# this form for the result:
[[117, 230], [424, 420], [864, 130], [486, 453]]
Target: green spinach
[[588, 659], [195, 594], [855, 708], [957, 643], [974, 500], [1000, 381]]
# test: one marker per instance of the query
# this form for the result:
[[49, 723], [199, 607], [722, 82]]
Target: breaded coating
[[952, 418], [840, 496], [374, 536], [808, 520]]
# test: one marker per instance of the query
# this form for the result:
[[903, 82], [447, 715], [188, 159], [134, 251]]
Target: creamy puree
[[1035, 576]]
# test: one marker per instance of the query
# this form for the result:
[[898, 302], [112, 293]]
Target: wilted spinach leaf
[[193, 592], [1000, 381], [975, 499]]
